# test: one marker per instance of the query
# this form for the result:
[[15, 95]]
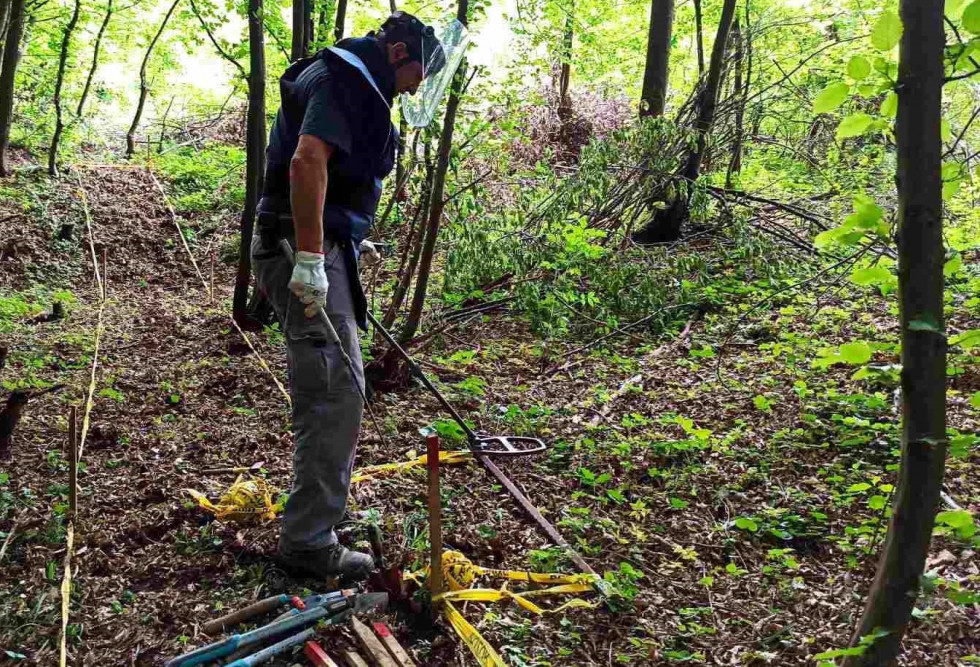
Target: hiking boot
[[335, 560]]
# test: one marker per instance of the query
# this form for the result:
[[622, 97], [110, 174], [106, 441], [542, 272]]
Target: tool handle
[[207, 654], [287, 250], [279, 627], [274, 650], [234, 618]]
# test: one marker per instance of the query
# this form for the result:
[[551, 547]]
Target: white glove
[[369, 254], [309, 281]]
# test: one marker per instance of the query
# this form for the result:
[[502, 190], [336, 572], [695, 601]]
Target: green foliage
[[831, 97], [887, 31], [205, 180]]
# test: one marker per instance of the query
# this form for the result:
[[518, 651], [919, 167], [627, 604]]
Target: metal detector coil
[[481, 445], [506, 445]]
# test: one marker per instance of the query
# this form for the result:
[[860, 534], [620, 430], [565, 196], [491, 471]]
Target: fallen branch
[[623, 388], [7, 541], [622, 330]]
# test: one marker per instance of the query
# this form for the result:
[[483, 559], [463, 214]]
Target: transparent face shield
[[439, 65]]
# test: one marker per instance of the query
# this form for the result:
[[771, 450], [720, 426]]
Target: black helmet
[[423, 45]]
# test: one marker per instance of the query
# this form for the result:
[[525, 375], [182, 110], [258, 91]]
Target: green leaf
[[877, 502], [854, 125], [953, 8], [840, 653], [945, 132], [954, 265], [967, 340], [950, 188], [971, 18], [859, 487], [922, 325], [855, 353], [889, 106], [975, 399], [887, 31], [745, 523], [871, 275], [831, 97], [960, 445], [858, 67], [955, 519], [866, 214]]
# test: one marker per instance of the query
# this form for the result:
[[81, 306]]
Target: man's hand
[[309, 281], [369, 254]]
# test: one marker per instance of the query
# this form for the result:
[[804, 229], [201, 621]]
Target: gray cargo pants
[[327, 406]]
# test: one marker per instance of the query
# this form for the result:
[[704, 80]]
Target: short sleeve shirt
[[324, 120]]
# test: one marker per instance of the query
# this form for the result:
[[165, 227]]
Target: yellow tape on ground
[[245, 500], [66, 594], [495, 595], [481, 649], [445, 458], [460, 573]]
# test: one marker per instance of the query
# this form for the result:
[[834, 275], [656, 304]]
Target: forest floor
[[734, 493]]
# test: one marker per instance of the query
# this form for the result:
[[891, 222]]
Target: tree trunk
[[699, 36], [255, 156], [321, 37], [920, 285], [739, 97], [296, 50], [666, 224], [338, 25], [144, 89], [95, 58], [568, 42], [437, 202], [307, 27], [654, 96], [11, 57], [413, 248], [59, 124], [4, 22]]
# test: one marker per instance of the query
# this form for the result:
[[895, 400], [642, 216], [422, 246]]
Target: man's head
[[412, 50]]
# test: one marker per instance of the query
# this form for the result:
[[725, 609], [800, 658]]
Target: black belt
[[274, 226]]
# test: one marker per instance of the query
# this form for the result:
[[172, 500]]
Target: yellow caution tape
[[481, 649], [459, 574], [495, 595], [445, 458], [245, 500]]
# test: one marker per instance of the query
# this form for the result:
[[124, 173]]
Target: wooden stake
[[394, 648], [72, 463], [371, 645], [435, 519], [212, 276], [354, 660]]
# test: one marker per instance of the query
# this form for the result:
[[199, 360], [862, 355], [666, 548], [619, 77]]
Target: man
[[330, 147]]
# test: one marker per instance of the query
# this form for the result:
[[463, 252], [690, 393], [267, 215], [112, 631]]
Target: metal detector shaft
[[416, 370], [484, 459]]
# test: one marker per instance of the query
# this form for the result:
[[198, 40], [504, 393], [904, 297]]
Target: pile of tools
[[296, 627]]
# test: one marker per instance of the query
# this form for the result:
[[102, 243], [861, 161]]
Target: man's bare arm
[[308, 191]]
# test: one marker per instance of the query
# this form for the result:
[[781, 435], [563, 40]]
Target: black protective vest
[[355, 172]]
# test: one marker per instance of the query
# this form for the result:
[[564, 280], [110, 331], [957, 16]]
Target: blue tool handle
[[274, 650], [208, 653]]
